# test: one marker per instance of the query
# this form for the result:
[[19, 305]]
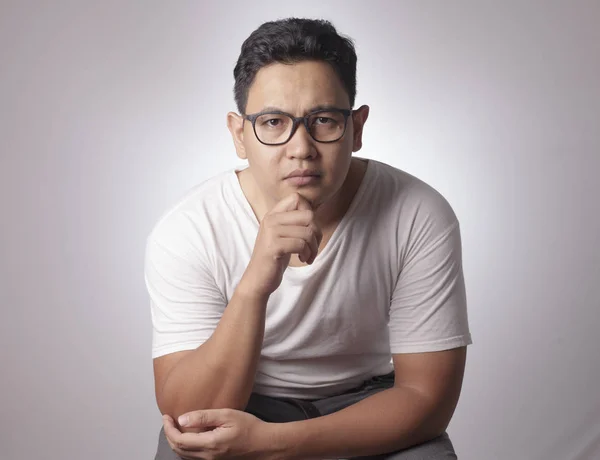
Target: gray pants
[[280, 410]]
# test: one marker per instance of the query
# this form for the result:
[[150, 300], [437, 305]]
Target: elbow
[[438, 422], [174, 407]]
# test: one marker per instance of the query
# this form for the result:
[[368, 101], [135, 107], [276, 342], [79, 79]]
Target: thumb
[[303, 204], [203, 418]]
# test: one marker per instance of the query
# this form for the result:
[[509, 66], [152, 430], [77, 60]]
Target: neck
[[333, 210]]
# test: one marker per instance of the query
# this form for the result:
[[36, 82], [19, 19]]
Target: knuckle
[[211, 444], [276, 246], [203, 419]]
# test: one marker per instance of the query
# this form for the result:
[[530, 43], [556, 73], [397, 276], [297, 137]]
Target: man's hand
[[289, 228], [233, 435]]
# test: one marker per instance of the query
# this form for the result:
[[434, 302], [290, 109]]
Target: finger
[[289, 246], [305, 254], [308, 234], [304, 204], [186, 442], [313, 235], [290, 203], [296, 217], [209, 418], [172, 434], [168, 425], [183, 454], [171, 431], [318, 237]]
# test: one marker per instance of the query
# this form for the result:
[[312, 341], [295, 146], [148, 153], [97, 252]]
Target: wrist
[[277, 442], [289, 441], [247, 291]]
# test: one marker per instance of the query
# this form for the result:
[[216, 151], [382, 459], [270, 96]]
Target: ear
[[235, 123], [359, 118]]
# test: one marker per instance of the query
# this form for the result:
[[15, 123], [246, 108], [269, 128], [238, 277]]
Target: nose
[[301, 145]]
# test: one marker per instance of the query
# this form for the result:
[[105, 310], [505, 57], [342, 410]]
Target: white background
[[111, 110]]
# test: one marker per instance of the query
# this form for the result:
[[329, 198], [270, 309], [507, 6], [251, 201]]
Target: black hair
[[293, 40]]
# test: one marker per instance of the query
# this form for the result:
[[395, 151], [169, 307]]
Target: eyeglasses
[[277, 128]]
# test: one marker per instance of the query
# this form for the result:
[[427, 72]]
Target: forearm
[[220, 373], [388, 421]]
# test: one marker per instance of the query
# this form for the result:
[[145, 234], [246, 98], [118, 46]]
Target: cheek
[[339, 160], [272, 160], [265, 164]]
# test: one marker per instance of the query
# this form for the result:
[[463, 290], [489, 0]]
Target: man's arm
[[427, 315], [418, 408], [220, 372], [224, 366]]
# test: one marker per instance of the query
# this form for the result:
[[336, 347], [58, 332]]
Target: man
[[311, 305]]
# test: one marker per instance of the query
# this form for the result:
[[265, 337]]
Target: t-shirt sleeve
[[428, 309], [185, 301]]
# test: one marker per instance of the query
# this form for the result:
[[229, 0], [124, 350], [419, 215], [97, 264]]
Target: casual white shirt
[[389, 280]]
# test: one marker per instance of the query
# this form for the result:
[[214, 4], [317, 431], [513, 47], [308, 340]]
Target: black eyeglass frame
[[296, 121]]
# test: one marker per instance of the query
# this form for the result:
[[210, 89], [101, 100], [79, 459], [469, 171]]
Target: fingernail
[[183, 420]]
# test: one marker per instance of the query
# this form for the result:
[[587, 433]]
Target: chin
[[317, 194], [316, 197]]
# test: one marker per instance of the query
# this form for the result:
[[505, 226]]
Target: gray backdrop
[[111, 110]]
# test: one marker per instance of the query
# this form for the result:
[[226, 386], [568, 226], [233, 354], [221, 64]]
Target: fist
[[289, 228]]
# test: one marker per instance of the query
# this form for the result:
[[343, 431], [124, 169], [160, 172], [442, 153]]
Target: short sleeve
[[428, 310], [186, 304]]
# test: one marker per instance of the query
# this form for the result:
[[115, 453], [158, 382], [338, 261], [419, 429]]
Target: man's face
[[298, 89]]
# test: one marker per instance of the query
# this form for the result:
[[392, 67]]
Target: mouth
[[303, 177], [303, 180]]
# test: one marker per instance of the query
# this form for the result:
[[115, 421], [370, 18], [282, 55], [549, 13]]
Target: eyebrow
[[317, 108]]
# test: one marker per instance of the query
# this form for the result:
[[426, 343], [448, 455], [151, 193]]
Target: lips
[[303, 180], [303, 173], [302, 177]]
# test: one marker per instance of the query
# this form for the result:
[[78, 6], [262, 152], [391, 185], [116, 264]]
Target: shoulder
[[194, 216], [412, 200]]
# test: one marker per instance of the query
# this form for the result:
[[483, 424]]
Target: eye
[[273, 122], [326, 119]]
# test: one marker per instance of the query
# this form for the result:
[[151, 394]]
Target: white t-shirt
[[389, 280]]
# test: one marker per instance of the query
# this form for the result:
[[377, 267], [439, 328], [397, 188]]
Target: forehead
[[296, 88]]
